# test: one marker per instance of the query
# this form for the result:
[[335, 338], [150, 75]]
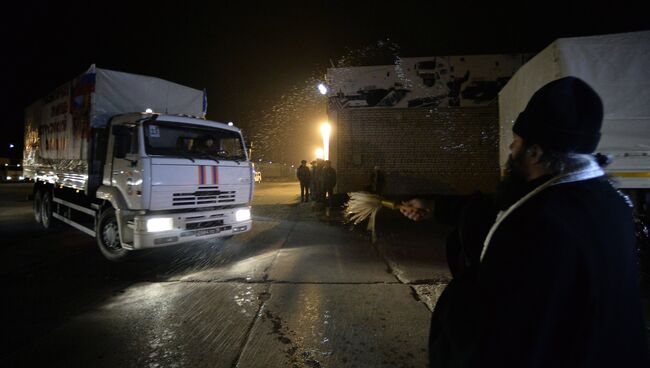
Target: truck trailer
[[132, 161]]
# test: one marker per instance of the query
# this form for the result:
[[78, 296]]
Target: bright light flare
[[243, 215], [322, 88], [325, 130], [319, 153], [155, 225]]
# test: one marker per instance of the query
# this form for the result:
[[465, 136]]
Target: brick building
[[430, 124], [446, 150]]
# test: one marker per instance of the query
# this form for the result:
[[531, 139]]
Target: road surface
[[300, 290]]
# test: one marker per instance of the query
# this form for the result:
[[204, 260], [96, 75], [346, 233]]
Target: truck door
[[126, 174]]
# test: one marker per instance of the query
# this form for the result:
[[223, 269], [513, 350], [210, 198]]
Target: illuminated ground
[[300, 290]]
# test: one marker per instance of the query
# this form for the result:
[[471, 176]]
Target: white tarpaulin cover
[[58, 126], [117, 92], [617, 66]]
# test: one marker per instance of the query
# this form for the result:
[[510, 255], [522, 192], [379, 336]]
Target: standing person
[[304, 176], [329, 182], [317, 179], [314, 180], [548, 271]]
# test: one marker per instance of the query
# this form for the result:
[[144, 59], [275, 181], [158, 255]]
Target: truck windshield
[[195, 141]]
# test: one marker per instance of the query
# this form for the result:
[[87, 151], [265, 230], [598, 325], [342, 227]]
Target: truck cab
[[171, 179], [154, 180]]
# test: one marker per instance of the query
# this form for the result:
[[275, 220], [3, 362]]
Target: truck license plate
[[206, 232]]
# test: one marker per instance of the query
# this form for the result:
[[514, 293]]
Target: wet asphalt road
[[299, 290]]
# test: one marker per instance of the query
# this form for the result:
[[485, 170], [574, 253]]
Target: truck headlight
[[243, 215], [160, 224]]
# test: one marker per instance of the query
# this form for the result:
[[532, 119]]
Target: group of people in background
[[318, 182]]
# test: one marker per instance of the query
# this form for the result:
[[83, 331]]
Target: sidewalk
[[415, 253]]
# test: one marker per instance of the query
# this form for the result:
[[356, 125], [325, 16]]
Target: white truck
[[617, 66], [131, 161]]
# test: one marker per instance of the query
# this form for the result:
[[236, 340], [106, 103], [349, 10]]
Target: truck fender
[[112, 195]]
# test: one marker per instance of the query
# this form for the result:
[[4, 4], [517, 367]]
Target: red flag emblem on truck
[[215, 175], [203, 175]]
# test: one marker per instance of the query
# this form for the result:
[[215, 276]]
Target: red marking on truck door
[[201, 174], [215, 175]]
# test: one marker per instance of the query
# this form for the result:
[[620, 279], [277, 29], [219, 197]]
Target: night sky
[[248, 54]]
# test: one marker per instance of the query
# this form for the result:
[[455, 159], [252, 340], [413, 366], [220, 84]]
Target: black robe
[[557, 287]]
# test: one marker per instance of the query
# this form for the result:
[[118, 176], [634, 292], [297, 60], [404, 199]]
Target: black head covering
[[565, 115]]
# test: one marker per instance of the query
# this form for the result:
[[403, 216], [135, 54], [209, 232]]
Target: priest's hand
[[417, 209]]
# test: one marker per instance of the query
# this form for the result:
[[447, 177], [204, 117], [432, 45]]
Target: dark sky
[[247, 53]]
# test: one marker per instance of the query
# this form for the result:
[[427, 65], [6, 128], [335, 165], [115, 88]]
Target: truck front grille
[[204, 197]]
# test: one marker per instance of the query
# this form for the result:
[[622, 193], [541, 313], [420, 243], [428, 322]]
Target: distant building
[[278, 171], [429, 123]]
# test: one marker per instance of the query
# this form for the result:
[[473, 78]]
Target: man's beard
[[514, 184]]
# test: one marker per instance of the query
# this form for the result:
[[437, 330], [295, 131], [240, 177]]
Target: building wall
[[445, 150], [434, 81]]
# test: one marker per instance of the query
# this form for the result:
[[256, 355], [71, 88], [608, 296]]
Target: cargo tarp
[[117, 92], [57, 127]]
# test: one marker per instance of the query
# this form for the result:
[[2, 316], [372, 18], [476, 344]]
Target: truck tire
[[108, 237], [46, 210], [38, 199]]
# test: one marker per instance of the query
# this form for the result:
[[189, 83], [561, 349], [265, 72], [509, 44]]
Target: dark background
[[250, 54]]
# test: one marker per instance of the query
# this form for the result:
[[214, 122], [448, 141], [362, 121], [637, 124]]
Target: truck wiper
[[232, 158], [211, 157], [186, 156], [237, 159], [227, 157]]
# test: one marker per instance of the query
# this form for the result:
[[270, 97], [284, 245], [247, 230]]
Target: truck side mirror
[[122, 141]]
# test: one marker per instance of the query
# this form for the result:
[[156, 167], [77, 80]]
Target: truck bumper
[[188, 227]]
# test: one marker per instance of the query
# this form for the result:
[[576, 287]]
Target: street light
[[11, 145], [322, 88], [325, 130]]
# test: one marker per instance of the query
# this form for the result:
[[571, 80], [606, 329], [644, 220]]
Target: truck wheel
[[38, 198], [46, 209], [108, 237]]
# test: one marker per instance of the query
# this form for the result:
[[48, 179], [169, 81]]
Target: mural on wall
[[439, 81]]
